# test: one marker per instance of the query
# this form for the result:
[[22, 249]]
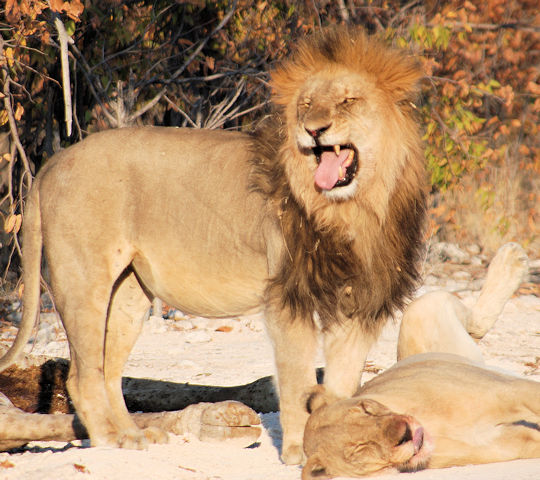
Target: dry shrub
[[496, 205]]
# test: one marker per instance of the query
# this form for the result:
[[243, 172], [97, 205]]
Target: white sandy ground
[[240, 356]]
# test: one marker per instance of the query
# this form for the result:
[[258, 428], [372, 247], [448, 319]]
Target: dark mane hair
[[320, 271]]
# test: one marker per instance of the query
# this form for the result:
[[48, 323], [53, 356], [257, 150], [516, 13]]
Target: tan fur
[[439, 322], [467, 413], [220, 223]]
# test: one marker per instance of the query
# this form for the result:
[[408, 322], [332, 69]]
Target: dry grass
[[492, 207]]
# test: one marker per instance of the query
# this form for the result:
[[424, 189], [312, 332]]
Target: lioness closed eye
[[316, 215]]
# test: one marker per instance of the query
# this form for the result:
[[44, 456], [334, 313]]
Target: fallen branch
[[208, 422]]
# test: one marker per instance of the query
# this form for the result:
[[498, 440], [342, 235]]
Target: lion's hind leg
[[82, 284], [83, 311], [129, 308]]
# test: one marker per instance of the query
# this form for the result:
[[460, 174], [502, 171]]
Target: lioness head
[[360, 436], [349, 124]]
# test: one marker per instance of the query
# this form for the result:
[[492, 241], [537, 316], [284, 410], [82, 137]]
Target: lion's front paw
[[293, 455], [136, 439], [230, 421]]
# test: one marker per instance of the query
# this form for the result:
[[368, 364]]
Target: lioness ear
[[314, 469], [317, 397], [371, 407]]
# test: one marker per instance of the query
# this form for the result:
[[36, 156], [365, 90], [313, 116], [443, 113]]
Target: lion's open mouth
[[336, 166]]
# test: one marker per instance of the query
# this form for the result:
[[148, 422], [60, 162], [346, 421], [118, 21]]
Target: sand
[[171, 350]]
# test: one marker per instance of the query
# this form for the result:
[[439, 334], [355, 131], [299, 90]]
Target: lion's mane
[[371, 275]]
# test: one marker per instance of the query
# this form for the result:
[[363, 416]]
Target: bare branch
[[149, 105], [201, 45], [90, 80], [176, 108], [523, 27], [11, 117], [64, 39]]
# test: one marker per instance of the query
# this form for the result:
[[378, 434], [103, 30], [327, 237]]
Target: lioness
[[316, 218], [432, 410]]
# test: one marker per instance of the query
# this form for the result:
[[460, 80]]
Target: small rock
[[51, 349], [174, 314], [46, 301], [50, 318], [156, 324], [14, 317], [473, 249], [46, 334], [461, 275], [197, 336], [14, 306], [431, 280], [476, 260], [203, 323], [444, 252], [184, 325]]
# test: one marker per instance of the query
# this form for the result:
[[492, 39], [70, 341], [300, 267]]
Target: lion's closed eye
[[351, 100]]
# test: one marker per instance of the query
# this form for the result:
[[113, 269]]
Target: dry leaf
[[9, 223], [224, 328], [19, 112], [6, 464], [80, 468], [13, 223]]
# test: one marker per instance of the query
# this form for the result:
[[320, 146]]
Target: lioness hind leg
[[505, 273], [129, 308]]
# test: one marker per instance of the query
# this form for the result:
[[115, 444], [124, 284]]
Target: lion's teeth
[[348, 162], [341, 173], [337, 149]]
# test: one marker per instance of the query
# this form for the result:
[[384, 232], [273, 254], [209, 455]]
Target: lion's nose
[[318, 131]]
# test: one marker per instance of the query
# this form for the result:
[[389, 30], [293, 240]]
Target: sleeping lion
[[432, 410], [316, 219]]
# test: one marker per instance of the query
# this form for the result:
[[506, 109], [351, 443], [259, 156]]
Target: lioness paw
[[506, 271]]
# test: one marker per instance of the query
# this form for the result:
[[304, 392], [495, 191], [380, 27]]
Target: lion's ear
[[314, 469]]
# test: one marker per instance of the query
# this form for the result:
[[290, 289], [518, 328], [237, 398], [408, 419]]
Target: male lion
[[317, 218]]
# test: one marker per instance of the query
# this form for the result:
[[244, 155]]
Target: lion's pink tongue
[[327, 173]]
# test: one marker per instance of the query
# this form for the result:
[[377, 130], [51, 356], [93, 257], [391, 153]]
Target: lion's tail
[[31, 261]]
